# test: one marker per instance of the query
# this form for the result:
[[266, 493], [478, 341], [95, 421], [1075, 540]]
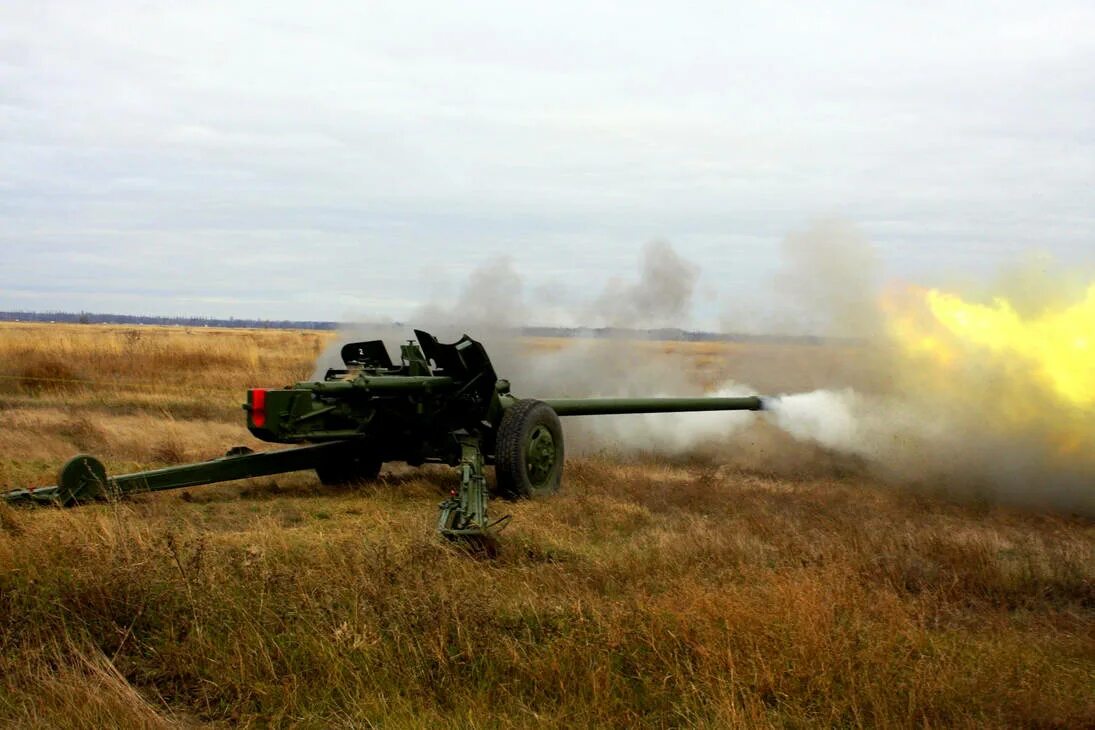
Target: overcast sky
[[332, 160]]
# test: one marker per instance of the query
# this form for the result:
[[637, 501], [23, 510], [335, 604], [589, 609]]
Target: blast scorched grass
[[644, 594]]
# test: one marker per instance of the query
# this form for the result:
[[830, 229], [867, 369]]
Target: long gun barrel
[[619, 406]]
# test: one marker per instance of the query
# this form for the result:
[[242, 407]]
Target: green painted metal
[[464, 514], [540, 455], [619, 406], [83, 478], [440, 403]]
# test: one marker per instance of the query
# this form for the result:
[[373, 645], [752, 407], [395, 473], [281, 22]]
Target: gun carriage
[[441, 403]]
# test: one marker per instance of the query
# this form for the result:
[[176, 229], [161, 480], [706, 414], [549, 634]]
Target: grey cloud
[[354, 146]]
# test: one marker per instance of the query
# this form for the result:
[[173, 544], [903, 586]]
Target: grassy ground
[[647, 593]]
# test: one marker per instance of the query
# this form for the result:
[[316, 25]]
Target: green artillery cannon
[[443, 403]]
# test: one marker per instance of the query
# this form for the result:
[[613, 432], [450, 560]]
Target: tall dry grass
[[136, 396], [643, 595]]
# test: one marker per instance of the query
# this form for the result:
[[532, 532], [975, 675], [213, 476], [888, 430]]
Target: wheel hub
[[540, 455]]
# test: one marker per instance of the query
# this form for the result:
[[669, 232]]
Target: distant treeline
[[95, 318], [661, 334]]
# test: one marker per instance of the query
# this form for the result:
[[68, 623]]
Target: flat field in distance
[[647, 593]]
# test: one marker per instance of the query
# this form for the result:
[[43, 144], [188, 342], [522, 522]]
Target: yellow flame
[[1031, 377], [1058, 347]]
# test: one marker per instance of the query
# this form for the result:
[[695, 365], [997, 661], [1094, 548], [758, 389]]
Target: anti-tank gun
[[442, 403]]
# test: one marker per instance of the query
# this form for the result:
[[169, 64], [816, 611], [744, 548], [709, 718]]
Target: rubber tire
[[348, 472], [510, 452]]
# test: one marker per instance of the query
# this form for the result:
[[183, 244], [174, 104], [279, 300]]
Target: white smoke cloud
[[830, 274], [945, 448], [825, 416], [661, 297]]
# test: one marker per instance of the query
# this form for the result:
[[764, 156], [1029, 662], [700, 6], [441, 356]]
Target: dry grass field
[[647, 593]]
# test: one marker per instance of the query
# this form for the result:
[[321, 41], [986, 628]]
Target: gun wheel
[[82, 479], [347, 472], [528, 459]]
